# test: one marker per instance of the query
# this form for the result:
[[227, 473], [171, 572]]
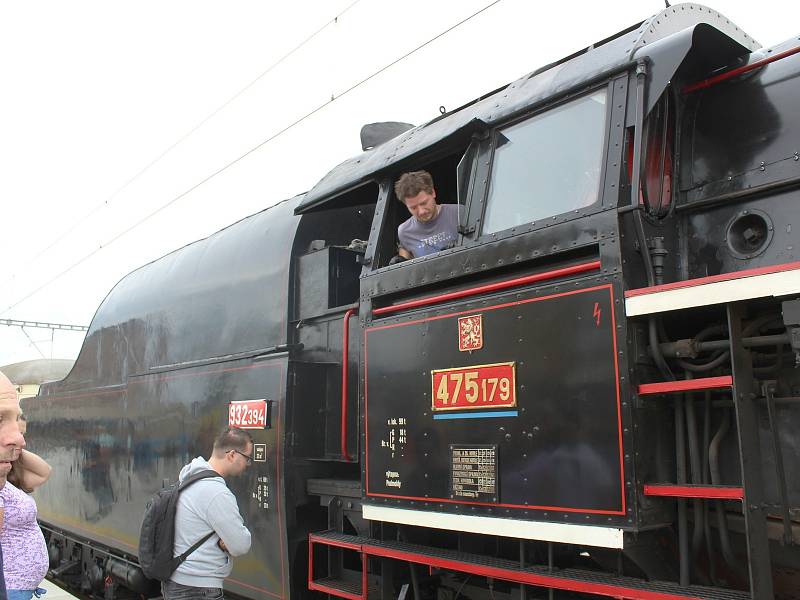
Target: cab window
[[547, 165]]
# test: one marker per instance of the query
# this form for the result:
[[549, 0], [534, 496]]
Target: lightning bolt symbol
[[596, 313]]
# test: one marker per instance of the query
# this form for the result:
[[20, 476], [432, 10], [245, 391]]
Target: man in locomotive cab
[[208, 507], [432, 227], [11, 444]]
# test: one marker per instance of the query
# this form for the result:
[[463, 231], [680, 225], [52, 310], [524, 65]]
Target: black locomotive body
[[592, 394]]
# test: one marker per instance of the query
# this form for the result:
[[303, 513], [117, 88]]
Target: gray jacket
[[204, 506]]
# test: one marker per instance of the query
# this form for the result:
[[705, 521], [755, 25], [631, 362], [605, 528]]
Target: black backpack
[[157, 534]]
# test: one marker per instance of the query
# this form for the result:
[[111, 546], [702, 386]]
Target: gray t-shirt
[[437, 234]]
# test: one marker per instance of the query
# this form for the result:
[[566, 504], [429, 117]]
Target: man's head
[[415, 190], [11, 440], [233, 452]]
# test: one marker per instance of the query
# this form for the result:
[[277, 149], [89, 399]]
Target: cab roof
[[664, 40]]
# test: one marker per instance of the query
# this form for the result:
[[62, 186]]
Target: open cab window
[[546, 165], [451, 181]]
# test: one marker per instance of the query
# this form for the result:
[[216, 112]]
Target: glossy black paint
[[172, 344], [561, 451]]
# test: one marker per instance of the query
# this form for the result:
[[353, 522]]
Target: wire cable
[[188, 134], [39, 350], [246, 154]]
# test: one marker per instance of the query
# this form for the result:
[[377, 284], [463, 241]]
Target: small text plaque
[[473, 472]]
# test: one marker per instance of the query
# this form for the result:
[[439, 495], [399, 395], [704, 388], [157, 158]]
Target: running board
[[543, 531], [774, 280], [573, 580]]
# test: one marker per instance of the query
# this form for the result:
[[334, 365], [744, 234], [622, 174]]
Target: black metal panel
[[562, 449], [171, 345], [560, 244], [717, 242], [742, 134], [233, 282], [111, 449], [327, 278]]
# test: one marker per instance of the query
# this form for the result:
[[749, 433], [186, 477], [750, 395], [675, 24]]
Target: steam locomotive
[[592, 394]]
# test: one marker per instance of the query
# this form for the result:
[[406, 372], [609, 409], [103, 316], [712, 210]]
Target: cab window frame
[[386, 215], [486, 157]]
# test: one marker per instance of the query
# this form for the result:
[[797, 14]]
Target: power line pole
[[42, 325]]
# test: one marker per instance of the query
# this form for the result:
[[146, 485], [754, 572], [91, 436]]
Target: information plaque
[[473, 472]]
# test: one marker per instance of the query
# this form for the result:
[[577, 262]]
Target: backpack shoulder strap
[[195, 546], [197, 477]]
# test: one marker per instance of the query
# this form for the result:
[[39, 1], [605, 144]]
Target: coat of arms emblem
[[470, 333]]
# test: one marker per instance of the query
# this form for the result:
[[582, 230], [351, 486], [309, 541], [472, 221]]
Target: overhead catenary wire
[[42, 325], [94, 210], [39, 350], [255, 148]]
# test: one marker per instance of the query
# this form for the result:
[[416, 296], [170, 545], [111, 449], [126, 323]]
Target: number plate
[[474, 388], [248, 414]]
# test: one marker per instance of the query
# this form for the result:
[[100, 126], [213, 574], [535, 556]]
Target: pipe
[[345, 379], [779, 470], [522, 593], [716, 478], [131, 576], [636, 172], [694, 463], [712, 568], [661, 363], [758, 341], [705, 367], [712, 571], [664, 133], [680, 466], [762, 371], [414, 581]]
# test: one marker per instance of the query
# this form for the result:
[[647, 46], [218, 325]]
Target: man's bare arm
[[32, 469], [404, 253]]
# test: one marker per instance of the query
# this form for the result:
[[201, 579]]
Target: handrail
[[686, 385], [492, 287], [345, 378], [706, 83]]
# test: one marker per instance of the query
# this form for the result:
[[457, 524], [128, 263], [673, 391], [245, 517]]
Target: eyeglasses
[[249, 459]]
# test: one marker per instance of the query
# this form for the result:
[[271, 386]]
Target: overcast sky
[[112, 111]]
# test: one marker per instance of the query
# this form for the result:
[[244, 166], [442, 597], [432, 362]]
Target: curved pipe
[[345, 378], [716, 479]]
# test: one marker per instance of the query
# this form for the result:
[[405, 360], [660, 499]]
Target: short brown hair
[[231, 438], [411, 184]]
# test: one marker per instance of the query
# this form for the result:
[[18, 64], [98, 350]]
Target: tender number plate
[[474, 388], [248, 414]]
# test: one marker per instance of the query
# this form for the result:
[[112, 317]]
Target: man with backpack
[[207, 510]]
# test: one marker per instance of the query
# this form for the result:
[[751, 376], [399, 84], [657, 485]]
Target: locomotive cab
[[505, 390]]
